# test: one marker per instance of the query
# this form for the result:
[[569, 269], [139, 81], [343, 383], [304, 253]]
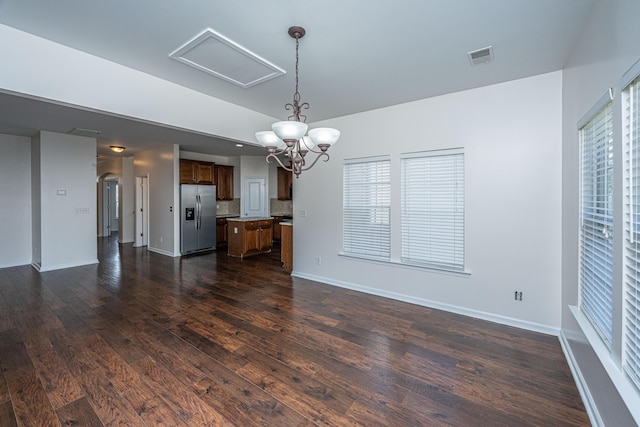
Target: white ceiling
[[356, 55]]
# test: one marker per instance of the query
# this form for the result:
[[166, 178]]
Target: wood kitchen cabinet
[[249, 237], [286, 248], [224, 182], [196, 172], [221, 232], [277, 227], [285, 184]]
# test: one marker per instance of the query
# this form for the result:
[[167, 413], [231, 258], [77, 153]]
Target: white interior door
[[254, 197], [106, 212], [113, 206], [142, 211]]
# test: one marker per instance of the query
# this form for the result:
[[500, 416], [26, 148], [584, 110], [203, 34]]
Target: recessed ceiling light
[[239, 145], [116, 148]]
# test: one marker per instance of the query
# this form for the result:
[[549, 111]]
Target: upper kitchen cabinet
[[224, 182], [285, 184], [196, 172]]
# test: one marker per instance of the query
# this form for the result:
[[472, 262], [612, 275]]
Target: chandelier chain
[[296, 106]]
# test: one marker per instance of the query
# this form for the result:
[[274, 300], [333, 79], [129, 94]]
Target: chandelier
[[288, 137]]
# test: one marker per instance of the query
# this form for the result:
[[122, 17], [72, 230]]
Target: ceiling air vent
[[481, 56], [215, 54]]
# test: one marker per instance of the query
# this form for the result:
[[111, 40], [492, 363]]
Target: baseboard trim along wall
[[433, 304], [42, 269], [163, 252], [583, 389]]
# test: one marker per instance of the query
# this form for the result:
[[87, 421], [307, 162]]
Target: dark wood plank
[[183, 400], [4, 390], [59, 384], [30, 402], [14, 358], [99, 391], [7, 416], [78, 414], [144, 339]]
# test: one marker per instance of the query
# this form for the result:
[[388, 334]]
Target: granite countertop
[[251, 218], [227, 215], [286, 223]]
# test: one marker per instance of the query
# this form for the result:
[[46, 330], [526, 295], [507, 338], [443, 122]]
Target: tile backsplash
[[228, 207], [276, 207], [281, 207]]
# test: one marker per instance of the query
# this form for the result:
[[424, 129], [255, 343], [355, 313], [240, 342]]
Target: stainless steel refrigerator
[[197, 218]]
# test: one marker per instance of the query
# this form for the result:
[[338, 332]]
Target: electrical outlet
[[318, 260], [518, 295]]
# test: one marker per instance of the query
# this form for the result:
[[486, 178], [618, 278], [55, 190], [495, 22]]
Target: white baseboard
[[536, 327], [581, 383], [42, 269], [163, 252]]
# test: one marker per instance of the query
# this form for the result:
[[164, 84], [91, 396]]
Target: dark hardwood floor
[[143, 339]]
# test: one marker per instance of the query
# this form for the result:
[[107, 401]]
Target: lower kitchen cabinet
[[286, 248], [276, 228], [221, 232], [249, 237]]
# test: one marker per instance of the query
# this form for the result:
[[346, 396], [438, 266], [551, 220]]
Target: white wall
[[67, 221], [36, 204], [127, 202], [15, 194], [606, 49], [160, 166], [76, 78], [511, 134]]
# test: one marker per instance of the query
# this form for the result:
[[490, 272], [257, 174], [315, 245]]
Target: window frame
[[631, 269], [367, 198], [596, 245], [433, 191]]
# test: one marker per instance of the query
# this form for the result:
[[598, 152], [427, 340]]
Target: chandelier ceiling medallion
[[288, 137]]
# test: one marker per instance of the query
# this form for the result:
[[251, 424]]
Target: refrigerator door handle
[[198, 212]]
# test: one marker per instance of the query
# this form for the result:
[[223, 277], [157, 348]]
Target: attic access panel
[[219, 56]]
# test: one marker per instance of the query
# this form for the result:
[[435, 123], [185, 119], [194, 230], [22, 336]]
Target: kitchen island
[[249, 236]]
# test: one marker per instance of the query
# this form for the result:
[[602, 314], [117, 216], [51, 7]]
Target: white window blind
[[596, 220], [631, 343], [433, 209], [367, 208]]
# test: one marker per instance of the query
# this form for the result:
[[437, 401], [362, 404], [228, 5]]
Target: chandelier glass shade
[[287, 138]]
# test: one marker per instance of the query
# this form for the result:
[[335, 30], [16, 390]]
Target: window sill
[[622, 383], [400, 264]]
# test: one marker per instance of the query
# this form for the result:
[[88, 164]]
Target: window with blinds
[[631, 341], [367, 208], [596, 218], [433, 209]]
